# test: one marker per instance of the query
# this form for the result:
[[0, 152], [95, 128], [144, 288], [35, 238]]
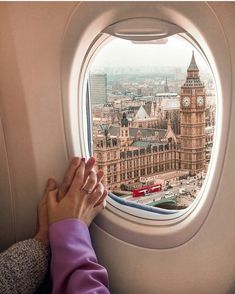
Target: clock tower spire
[[192, 118]]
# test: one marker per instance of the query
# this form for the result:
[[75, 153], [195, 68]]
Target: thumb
[[51, 198]]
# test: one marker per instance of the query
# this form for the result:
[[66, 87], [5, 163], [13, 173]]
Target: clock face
[[200, 100], [186, 101]]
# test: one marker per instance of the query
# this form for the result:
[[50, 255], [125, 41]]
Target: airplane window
[[153, 115]]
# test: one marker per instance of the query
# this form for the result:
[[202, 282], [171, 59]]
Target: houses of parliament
[[130, 151]]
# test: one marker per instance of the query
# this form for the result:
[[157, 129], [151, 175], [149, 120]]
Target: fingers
[[100, 206], [89, 166], [96, 195], [90, 183], [78, 179], [51, 184], [52, 205], [102, 199], [51, 198], [68, 178], [100, 175], [74, 176]]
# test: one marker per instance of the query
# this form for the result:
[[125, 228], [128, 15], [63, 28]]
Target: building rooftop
[[145, 144], [166, 95], [141, 113], [145, 133], [170, 104]]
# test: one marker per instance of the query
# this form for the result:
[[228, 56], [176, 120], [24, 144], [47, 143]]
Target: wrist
[[43, 238]]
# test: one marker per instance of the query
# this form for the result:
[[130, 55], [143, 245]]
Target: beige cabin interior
[[35, 41]]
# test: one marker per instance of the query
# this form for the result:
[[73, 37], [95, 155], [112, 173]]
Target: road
[[192, 186]]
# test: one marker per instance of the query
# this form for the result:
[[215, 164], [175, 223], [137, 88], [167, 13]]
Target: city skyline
[[145, 134], [124, 55]]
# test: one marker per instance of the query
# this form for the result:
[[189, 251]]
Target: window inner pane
[[153, 119]]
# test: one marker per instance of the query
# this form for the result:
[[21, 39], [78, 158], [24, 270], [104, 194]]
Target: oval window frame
[[144, 230]]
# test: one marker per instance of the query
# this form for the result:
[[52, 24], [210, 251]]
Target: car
[[182, 192], [168, 193]]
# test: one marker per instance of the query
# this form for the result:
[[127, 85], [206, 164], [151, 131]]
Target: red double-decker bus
[[146, 190]]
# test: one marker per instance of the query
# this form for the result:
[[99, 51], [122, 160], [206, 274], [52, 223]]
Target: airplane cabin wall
[[33, 147], [31, 35]]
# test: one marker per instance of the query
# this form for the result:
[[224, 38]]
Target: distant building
[[98, 89], [170, 109], [166, 88], [161, 96]]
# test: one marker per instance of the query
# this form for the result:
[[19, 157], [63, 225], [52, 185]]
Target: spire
[[193, 65], [166, 88], [193, 79]]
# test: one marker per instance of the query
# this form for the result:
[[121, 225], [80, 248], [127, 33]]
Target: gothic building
[[192, 121], [128, 152]]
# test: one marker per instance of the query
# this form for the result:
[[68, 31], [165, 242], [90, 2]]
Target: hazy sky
[[122, 53]]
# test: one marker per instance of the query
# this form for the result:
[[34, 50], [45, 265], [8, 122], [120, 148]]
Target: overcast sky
[[122, 53]]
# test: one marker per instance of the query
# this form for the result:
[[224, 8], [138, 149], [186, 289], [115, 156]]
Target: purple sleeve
[[74, 267]]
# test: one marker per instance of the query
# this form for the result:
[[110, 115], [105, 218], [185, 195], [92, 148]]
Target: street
[[189, 189]]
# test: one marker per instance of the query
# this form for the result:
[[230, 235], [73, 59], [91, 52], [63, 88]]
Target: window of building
[[129, 175]]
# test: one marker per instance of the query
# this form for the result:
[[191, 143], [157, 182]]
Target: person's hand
[[42, 211], [70, 173], [82, 195], [42, 214]]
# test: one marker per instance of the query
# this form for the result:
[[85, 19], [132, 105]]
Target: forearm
[[74, 266], [23, 267]]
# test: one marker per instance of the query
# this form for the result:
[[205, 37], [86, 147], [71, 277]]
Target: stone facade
[[192, 121], [125, 155]]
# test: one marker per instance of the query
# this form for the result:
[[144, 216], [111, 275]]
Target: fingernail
[[92, 159], [83, 159]]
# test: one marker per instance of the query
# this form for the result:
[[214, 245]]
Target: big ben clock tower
[[192, 118]]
